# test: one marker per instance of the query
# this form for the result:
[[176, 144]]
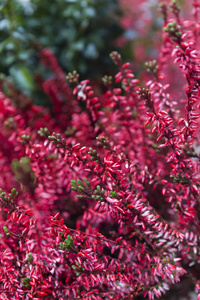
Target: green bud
[[86, 181], [5, 229], [81, 188], [102, 191], [30, 258], [79, 182], [98, 187], [164, 260], [113, 194], [61, 246], [73, 182]]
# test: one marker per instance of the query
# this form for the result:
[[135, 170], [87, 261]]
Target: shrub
[[102, 201]]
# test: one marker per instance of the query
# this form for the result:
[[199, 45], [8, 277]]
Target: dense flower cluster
[[100, 193]]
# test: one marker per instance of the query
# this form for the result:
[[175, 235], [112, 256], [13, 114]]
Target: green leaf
[[22, 76]]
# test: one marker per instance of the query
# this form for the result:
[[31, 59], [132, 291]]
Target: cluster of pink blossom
[[100, 193]]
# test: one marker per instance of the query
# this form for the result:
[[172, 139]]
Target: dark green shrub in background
[[80, 33]]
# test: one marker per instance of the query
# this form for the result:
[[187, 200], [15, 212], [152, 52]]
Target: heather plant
[[100, 193]]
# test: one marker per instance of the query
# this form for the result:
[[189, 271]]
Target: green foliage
[[8, 201], [80, 33], [73, 77], [44, 132], [26, 282], [181, 178], [78, 268], [98, 194], [30, 258], [151, 67], [94, 155], [68, 244], [82, 188], [23, 172], [113, 194], [173, 29], [6, 230], [103, 142]]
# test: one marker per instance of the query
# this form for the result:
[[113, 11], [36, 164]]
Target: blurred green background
[[80, 33]]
